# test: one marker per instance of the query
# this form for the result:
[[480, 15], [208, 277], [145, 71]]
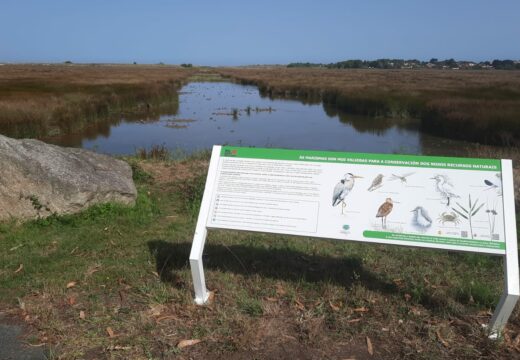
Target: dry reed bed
[[481, 106], [43, 100]]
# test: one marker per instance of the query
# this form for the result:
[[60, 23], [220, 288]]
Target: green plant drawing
[[468, 213]]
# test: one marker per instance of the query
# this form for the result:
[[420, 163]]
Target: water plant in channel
[[234, 112], [470, 212]]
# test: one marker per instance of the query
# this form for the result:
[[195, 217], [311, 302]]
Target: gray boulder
[[38, 179]]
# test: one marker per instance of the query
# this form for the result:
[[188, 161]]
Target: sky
[[246, 32]]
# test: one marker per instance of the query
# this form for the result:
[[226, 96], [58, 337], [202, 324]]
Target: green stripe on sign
[[434, 240], [438, 162]]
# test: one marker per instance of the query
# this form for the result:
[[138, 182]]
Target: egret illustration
[[342, 189], [421, 219], [401, 177], [376, 183], [444, 187], [495, 184], [384, 210]]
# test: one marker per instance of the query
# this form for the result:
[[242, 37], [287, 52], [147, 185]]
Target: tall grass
[[155, 152], [482, 106], [191, 193], [39, 101]]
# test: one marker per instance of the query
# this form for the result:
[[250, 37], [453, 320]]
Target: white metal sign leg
[[501, 315], [512, 282], [199, 239], [197, 272]]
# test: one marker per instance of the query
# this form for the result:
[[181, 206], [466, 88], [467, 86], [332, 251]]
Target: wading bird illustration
[[444, 187], [342, 189], [495, 184], [384, 210], [376, 183], [421, 219], [401, 177]]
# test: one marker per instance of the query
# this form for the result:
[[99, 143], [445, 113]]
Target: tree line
[[414, 64]]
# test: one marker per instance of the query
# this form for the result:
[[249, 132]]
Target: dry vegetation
[[481, 106], [49, 100]]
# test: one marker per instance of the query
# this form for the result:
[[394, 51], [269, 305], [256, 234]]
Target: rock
[[38, 179]]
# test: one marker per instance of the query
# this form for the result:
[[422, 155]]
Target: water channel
[[227, 113]]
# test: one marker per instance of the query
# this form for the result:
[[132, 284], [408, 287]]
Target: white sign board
[[436, 202]]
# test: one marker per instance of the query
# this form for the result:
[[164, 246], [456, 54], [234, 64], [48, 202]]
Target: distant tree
[[434, 60], [186, 65], [503, 64], [307, 64], [451, 63], [68, 62]]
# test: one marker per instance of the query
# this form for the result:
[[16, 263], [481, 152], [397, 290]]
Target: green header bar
[[484, 244], [363, 158]]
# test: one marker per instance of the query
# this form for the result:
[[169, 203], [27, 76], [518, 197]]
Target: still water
[[226, 113]]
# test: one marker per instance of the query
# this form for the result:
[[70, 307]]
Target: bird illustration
[[495, 184], [401, 177], [444, 187], [421, 218], [377, 183], [384, 210], [342, 189]]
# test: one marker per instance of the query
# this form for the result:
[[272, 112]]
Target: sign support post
[[511, 275], [199, 239]]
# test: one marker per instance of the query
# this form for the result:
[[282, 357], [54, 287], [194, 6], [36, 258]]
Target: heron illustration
[[444, 187], [401, 177], [376, 183], [421, 218], [342, 189], [384, 210]]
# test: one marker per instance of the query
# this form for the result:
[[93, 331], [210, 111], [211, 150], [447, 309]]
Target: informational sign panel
[[437, 202], [423, 201]]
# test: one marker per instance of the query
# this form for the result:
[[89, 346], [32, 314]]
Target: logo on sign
[[346, 229], [230, 152]]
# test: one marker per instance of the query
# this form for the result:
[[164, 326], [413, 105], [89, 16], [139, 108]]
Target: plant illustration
[[468, 213], [491, 213]]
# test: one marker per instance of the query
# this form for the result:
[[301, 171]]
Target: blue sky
[[230, 32]]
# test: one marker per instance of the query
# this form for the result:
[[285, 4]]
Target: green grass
[[131, 273], [62, 248]]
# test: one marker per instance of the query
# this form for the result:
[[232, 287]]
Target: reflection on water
[[226, 113]]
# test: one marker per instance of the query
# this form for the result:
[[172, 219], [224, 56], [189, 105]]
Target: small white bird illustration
[[444, 187], [342, 189], [421, 218], [377, 183]]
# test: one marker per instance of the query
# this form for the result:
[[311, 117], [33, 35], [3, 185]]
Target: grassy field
[[481, 106], [114, 283], [51, 100]]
